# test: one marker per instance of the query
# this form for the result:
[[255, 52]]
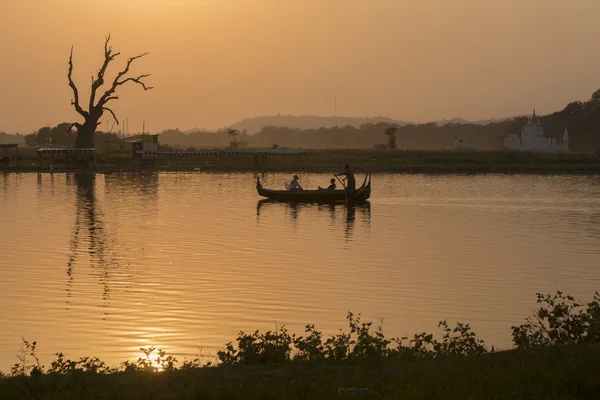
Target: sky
[[215, 62]]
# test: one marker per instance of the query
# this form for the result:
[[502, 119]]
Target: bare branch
[[108, 57], [75, 101], [76, 125], [112, 112], [136, 80], [118, 82]]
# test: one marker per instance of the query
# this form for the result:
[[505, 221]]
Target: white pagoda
[[532, 138]]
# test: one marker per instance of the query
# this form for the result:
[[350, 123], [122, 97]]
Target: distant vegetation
[[556, 357], [6, 138], [305, 122], [582, 119]]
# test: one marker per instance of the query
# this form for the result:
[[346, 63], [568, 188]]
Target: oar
[[345, 191]]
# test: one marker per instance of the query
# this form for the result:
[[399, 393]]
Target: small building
[[4, 156], [461, 144], [63, 155], [532, 138], [132, 146]]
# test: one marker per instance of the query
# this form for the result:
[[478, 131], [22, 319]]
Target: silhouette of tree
[[391, 134], [91, 116], [31, 139], [233, 133]]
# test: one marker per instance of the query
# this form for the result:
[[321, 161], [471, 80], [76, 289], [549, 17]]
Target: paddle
[[345, 191]]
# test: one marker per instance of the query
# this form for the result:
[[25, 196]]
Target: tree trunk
[[85, 136]]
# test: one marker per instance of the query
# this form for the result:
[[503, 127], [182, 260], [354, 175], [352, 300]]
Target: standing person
[[349, 178]]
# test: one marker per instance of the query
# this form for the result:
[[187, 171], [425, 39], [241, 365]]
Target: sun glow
[[154, 359]]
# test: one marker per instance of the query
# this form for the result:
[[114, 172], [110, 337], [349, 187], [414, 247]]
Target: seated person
[[330, 187], [294, 185]]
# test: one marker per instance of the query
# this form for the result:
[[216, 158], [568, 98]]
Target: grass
[[441, 161], [557, 372]]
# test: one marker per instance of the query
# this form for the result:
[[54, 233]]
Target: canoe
[[317, 196]]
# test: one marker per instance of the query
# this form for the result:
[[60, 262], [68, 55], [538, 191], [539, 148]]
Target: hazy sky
[[214, 62]]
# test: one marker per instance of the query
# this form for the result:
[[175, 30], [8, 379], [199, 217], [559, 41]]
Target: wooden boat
[[317, 196]]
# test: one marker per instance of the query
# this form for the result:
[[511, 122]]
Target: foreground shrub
[[362, 343], [258, 348], [85, 364], [154, 360], [458, 341], [560, 320], [24, 366]]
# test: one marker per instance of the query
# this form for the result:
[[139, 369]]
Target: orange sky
[[214, 62]]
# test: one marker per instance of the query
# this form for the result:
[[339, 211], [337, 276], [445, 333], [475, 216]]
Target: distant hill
[[303, 122], [476, 122]]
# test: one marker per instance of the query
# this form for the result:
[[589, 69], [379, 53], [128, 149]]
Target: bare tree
[[91, 116]]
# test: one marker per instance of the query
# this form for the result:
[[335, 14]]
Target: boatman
[[349, 178]]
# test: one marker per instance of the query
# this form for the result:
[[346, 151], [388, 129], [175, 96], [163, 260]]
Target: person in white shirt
[[294, 185]]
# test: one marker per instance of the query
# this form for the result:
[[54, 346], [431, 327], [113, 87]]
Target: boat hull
[[317, 196]]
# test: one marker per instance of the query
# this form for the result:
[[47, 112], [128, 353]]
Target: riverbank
[[329, 161], [561, 372]]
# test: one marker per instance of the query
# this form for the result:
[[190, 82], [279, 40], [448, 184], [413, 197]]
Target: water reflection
[[192, 267], [145, 185], [88, 228], [333, 209]]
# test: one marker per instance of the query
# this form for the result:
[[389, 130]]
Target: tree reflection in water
[[88, 226]]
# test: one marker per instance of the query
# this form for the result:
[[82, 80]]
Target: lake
[[101, 265]]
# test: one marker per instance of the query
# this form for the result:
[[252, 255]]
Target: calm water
[[105, 265]]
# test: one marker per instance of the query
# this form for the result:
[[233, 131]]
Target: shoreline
[[332, 161], [433, 169]]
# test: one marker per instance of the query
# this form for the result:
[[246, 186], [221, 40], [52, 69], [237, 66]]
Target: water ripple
[[102, 265]]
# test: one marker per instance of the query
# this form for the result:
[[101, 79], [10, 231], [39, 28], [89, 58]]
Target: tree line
[[582, 119]]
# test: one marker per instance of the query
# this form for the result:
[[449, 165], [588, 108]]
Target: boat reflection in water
[[335, 211]]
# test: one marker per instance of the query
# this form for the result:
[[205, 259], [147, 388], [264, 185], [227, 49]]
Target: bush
[[560, 320], [310, 348], [361, 344], [258, 348], [85, 364]]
